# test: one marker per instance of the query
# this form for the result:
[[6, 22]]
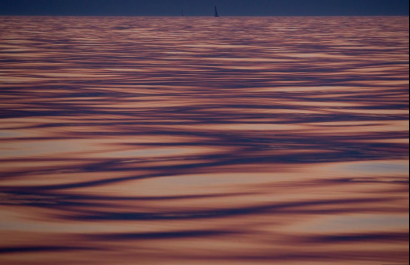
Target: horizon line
[[37, 15]]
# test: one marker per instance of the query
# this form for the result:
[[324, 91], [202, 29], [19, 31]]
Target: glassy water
[[196, 141]]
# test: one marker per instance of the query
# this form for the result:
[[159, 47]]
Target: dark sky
[[205, 7]]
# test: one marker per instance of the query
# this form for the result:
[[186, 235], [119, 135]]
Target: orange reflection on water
[[198, 141]]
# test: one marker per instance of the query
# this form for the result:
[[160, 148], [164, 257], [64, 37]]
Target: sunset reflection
[[181, 141]]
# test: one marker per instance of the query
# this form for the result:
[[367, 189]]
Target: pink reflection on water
[[198, 141]]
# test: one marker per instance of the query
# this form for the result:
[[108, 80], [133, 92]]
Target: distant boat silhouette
[[216, 11]]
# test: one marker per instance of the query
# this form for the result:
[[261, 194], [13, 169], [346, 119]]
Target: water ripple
[[198, 141]]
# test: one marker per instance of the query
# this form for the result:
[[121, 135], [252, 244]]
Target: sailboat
[[216, 11]]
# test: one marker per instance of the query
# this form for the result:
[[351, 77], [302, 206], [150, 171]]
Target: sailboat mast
[[216, 11]]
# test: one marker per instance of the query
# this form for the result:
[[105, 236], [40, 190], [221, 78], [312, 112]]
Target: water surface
[[181, 141]]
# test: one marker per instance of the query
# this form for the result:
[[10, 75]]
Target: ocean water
[[197, 141]]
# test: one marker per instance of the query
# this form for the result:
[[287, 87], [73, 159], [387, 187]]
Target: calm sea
[[197, 141]]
